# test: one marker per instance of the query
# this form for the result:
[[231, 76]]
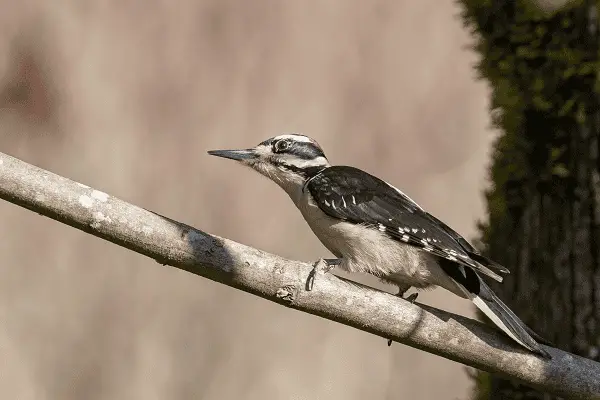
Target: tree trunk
[[554, 254], [544, 204]]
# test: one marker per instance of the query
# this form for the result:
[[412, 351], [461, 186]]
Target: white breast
[[367, 250]]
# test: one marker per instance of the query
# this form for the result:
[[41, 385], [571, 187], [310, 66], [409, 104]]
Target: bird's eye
[[280, 146]]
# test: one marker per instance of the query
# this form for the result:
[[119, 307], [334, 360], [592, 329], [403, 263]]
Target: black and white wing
[[353, 195]]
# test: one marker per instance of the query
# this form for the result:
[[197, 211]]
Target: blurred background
[[127, 97]]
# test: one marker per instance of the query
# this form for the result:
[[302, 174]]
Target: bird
[[373, 227]]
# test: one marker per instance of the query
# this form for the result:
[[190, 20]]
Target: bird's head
[[289, 160]]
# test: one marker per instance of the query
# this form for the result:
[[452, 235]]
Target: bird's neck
[[296, 187], [293, 187], [291, 178]]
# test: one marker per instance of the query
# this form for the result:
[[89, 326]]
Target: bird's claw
[[322, 265], [410, 299]]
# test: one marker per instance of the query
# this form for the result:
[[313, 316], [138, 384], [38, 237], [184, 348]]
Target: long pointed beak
[[238, 155]]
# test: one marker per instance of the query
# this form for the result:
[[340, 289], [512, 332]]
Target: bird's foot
[[322, 265], [410, 298]]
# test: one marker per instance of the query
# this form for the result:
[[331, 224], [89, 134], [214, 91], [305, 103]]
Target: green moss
[[544, 72]]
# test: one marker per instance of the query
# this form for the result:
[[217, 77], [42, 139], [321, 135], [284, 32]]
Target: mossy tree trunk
[[544, 203]]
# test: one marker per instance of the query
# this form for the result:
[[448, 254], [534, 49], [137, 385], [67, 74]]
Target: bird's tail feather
[[505, 319], [488, 263]]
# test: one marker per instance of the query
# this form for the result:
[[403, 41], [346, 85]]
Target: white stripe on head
[[301, 163], [295, 137]]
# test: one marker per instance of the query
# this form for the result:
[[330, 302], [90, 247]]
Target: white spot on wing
[[405, 238], [333, 204], [343, 201], [381, 228], [353, 200], [327, 203]]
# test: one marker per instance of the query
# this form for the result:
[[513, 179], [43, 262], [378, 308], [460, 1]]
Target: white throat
[[293, 185]]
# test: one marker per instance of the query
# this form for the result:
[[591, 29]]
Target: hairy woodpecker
[[373, 227]]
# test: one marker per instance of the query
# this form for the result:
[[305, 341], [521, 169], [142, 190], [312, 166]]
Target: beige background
[[127, 96]]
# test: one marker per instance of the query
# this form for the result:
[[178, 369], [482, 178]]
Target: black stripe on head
[[305, 150], [299, 146], [305, 172]]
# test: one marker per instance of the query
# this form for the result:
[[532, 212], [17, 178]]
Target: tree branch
[[277, 279]]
